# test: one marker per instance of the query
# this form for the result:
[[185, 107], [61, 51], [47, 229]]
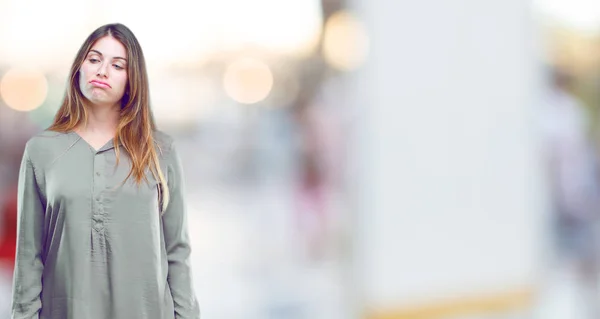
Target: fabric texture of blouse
[[90, 247]]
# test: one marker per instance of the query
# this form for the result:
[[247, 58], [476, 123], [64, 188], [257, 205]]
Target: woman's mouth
[[100, 84]]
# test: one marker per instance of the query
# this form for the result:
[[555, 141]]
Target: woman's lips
[[100, 84]]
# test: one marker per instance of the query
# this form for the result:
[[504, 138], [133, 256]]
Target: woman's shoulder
[[164, 142], [45, 143]]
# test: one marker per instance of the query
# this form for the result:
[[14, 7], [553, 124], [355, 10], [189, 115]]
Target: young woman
[[102, 228]]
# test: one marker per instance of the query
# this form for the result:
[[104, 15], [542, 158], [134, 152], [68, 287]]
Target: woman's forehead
[[109, 47]]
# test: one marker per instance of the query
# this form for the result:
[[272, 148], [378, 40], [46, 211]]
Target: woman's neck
[[102, 119]]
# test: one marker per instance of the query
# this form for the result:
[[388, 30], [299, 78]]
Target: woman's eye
[[94, 60], [118, 66]]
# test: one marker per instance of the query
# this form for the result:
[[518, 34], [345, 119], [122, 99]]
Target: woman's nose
[[101, 70]]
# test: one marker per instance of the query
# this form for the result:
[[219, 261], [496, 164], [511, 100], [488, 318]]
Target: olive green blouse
[[91, 247]]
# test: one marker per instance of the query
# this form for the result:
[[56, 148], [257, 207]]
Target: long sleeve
[[176, 234], [27, 282]]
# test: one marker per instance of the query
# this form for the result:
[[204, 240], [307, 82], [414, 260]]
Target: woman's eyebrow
[[100, 53]]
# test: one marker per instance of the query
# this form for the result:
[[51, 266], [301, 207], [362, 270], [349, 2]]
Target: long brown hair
[[136, 122]]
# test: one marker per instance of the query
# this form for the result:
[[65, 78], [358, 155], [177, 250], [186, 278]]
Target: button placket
[[97, 213]]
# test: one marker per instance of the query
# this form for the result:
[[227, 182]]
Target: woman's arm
[[27, 282], [177, 242]]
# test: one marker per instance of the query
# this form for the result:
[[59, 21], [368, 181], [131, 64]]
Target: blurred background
[[353, 159]]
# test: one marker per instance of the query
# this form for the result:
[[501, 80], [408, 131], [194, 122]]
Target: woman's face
[[103, 74]]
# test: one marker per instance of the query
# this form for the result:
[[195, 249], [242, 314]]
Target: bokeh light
[[248, 80], [23, 90], [345, 43]]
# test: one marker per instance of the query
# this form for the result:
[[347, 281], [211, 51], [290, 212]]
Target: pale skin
[[103, 80]]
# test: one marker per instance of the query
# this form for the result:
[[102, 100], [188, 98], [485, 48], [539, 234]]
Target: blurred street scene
[[350, 159]]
